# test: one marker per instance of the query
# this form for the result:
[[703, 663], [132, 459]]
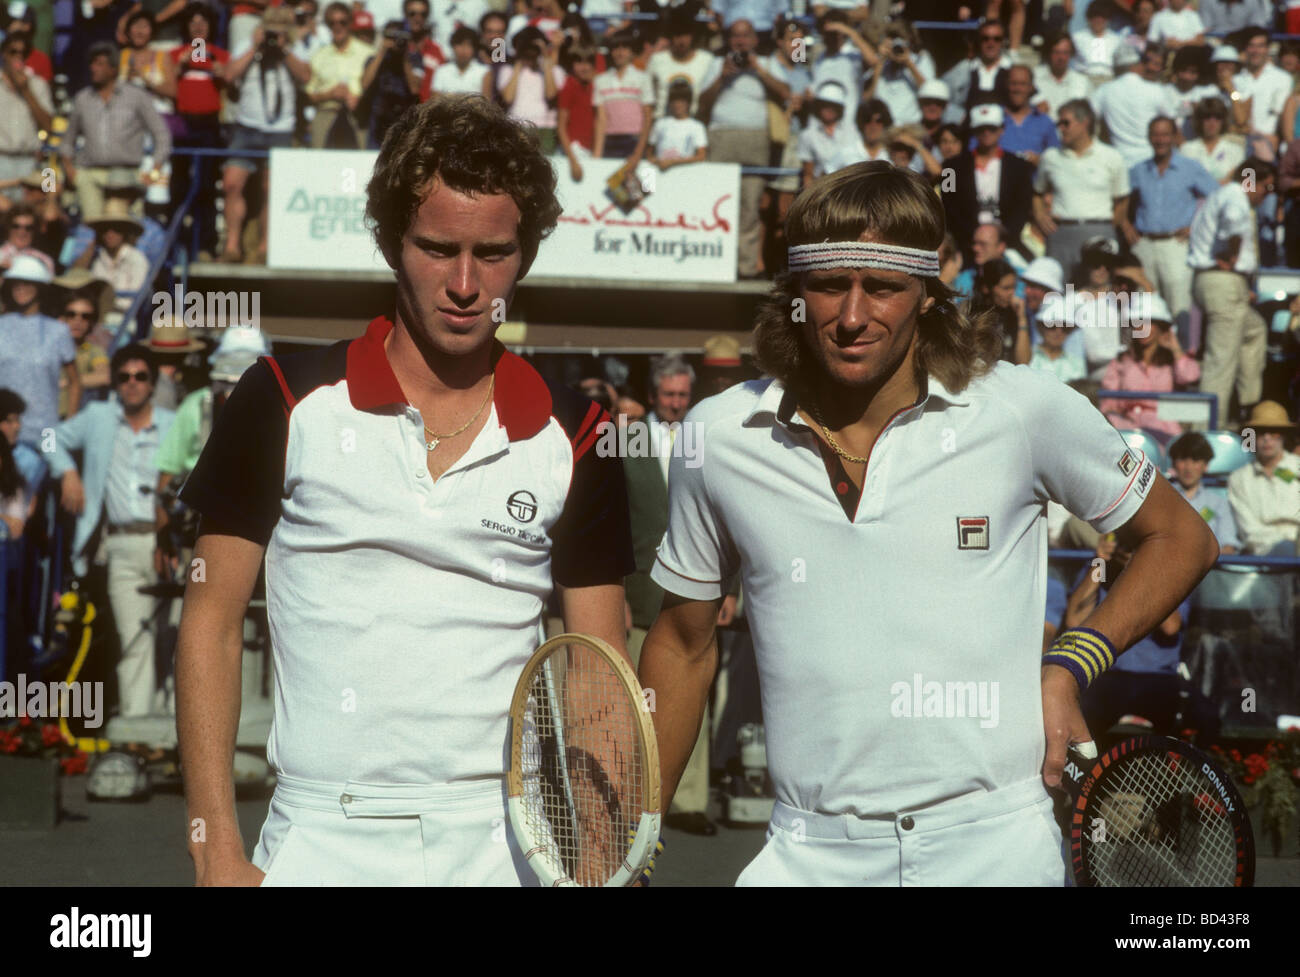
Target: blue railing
[[1189, 396]]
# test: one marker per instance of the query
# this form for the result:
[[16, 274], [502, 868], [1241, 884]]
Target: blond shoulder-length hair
[[893, 206]]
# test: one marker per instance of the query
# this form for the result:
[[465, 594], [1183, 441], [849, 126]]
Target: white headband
[[859, 254]]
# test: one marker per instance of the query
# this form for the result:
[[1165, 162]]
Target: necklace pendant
[[430, 445]]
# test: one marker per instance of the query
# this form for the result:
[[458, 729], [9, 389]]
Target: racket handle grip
[[1087, 749], [1077, 765]]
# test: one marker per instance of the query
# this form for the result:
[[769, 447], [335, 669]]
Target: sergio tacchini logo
[[522, 506]]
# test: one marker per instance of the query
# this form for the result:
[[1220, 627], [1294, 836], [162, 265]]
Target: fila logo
[[1127, 463], [522, 506], [972, 532]]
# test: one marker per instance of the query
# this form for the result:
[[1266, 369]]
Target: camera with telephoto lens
[[899, 46], [273, 42]]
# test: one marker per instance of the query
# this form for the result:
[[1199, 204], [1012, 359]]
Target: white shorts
[[1006, 837], [379, 834]]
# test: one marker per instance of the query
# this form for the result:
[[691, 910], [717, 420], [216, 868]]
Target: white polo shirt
[[448, 79], [830, 151], [1174, 25], [403, 610], [938, 574], [1268, 91], [1226, 213], [1084, 186], [1057, 91]]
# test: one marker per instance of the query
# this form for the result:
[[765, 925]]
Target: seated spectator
[[1219, 153], [391, 81], [933, 98], [1144, 680], [335, 84], [81, 315], [197, 81], [1095, 48], [34, 349], [25, 110], [20, 236], [874, 123], [1288, 188], [1043, 278], [1263, 493], [1137, 36], [1230, 16], [576, 115], [52, 221], [948, 142], [828, 142], [950, 261], [1026, 132], [1226, 63], [116, 260], [530, 87], [1191, 454], [267, 73], [995, 294], [907, 151], [1153, 363], [1177, 26], [1055, 81], [624, 99], [463, 74], [1268, 87], [991, 242], [1050, 355], [677, 138]]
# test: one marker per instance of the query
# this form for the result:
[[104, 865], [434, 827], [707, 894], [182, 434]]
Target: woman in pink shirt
[[1153, 363], [531, 86]]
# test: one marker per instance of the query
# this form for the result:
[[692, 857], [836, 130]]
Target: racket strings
[[584, 783], [1164, 825]]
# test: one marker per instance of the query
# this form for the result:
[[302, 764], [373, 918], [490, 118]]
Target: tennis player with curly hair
[[418, 492], [882, 495]]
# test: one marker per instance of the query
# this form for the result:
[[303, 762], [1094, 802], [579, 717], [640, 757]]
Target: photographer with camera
[[391, 82], [267, 74], [904, 67], [335, 86]]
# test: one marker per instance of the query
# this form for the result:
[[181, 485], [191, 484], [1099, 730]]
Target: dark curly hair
[[471, 146], [895, 206]]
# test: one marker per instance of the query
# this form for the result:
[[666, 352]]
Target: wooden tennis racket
[[1155, 811], [584, 765]]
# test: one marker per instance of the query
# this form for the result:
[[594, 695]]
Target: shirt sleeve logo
[[1144, 480], [1127, 463], [522, 506], [972, 532]]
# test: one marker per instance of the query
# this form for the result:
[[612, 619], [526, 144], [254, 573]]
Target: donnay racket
[[1155, 811], [584, 765]]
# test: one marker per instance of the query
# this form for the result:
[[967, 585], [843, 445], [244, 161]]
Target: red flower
[[50, 735], [74, 764], [24, 722], [1236, 755]]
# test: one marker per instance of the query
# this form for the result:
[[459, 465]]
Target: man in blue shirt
[[1167, 189], [1191, 455], [1026, 131]]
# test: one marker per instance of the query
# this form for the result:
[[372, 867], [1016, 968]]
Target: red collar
[[521, 397]]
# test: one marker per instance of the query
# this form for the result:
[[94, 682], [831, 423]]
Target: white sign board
[[683, 230]]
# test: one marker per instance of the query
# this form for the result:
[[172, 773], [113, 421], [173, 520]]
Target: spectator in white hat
[[1227, 63], [828, 141], [1056, 328], [1042, 279], [990, 186], [1154, 363], [35, 349], [933, 99], [1262, 493]]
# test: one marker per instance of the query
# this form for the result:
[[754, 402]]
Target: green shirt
[[179, 451]]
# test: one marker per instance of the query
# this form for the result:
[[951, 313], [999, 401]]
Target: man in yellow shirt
[[335, 85]]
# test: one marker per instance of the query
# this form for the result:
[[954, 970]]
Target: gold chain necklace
[[430, 445], [830, 439]]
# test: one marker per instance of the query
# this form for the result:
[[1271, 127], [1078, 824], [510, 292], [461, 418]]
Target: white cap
[[239, 349], [832, 92], [986, 115], [934, 89], [1046, 272], [1126, 56], [25, 268], [1225, 52]]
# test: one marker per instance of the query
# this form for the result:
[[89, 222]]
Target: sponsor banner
[[682, 229]]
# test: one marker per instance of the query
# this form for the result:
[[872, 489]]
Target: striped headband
[[859, 254]]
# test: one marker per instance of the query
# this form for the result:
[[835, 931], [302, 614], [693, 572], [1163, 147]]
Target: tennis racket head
[[1155, 811], [584, 765]]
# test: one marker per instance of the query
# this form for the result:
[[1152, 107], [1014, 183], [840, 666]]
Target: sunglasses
[[991, 37], [24, 226], [139, 376], [338, 22], [875, 120], [70, 314]]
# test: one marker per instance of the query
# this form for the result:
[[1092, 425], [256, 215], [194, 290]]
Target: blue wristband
[[1084, 652]]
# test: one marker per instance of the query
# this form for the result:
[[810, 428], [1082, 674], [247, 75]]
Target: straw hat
[[116, 215], [80, 281], [1269, 415], [172, 337], [721, 351]]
